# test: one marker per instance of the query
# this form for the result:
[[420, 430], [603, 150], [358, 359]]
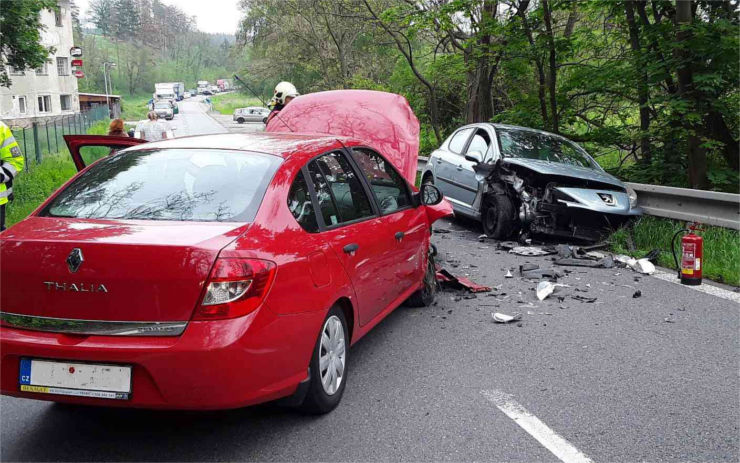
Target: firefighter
[[11, 162], [284, 94]]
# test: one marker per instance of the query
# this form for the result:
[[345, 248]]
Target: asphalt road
[[193, 120], [613, 378]]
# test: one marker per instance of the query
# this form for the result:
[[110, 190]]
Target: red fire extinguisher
[[692, 254]]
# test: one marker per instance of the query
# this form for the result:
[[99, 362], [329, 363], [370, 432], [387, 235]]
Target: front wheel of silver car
[[328, 369], [498, 216]]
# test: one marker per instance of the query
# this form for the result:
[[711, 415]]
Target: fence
[[42, 138]]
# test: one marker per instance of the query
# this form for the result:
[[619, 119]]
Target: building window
[[43, 70], [58, 16], [22, 104], [45, 104], [66, 102], [63, 66], [15, 72]]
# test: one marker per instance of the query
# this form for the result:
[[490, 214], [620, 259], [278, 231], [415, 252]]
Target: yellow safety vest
[[11, 162]]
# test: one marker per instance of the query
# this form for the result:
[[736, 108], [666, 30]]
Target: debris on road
[[586, 299], [446, 279], [503, 318], [639, 265], [533, 271], [482, 237], [508, 274], [544, 289], [637, 294], [531, 251], [605, 262]]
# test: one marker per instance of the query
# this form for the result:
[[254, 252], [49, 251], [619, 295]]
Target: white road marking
[[706, 288], [559, 447]]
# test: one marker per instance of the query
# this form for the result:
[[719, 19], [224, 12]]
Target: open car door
[[76, 143]]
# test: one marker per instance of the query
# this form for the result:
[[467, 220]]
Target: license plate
[[76, 379]]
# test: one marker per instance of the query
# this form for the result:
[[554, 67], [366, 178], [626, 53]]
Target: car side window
[[457, 144], [300, 205], [386, 183], [339, 191], [480, 142]]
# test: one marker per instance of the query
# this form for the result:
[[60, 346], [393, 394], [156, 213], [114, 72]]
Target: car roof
[[276, 143]]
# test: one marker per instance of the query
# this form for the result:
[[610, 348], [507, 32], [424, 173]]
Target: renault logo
[[74, 260]]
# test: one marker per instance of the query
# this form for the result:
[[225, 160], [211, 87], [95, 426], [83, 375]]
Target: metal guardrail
[[707, 207]]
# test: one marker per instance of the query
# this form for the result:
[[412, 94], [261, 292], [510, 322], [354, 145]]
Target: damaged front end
[[549, 201]]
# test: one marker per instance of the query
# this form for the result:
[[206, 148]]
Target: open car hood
[[383, 120]]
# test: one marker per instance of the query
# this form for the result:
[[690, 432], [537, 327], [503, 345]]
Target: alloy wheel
[[332, 355]]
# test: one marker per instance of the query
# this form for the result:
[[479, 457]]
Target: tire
[[497, 216], [424, 297], [240, 120], [321, 399]]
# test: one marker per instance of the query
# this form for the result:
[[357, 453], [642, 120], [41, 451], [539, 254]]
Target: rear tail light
[[236, 287]]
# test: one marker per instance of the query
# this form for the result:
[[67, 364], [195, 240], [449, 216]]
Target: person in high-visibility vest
[[11, 162]]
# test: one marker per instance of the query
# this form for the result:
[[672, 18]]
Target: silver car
[[251, 114], [520, 180], [164, 110]]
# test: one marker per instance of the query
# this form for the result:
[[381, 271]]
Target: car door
[[349, 220], [464, 175], [449, 161], [406, 225], [78, 143]]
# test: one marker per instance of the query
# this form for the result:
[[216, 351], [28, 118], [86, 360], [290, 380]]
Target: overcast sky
[[212, 15]]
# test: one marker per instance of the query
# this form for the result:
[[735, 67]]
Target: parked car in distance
[[187, 94], [251, 114], [516, 179], [164, 110], [213, 271]]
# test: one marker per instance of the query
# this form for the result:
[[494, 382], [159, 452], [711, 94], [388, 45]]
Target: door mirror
[[430, 195], [474, 157]]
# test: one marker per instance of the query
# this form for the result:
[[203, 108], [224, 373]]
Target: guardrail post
[[36, 147]]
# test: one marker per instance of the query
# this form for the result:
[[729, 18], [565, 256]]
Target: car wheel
[[497, 216], [328, 369], [240, 120], [424, 297]]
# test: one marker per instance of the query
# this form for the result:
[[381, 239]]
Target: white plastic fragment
[[644, 266], [508, 274], [503, 318], [544, 289]]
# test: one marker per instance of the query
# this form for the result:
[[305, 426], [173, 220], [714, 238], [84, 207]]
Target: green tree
[[20, 35]]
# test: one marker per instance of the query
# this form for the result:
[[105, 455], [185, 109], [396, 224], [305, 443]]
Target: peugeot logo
[[74, 260], [607, 198]]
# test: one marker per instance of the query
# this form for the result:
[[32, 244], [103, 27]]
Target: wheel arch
[[345, 305]]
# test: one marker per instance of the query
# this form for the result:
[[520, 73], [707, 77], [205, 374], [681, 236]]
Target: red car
[[213, 271]]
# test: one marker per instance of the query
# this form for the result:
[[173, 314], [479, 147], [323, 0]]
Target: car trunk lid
[[109, 270]]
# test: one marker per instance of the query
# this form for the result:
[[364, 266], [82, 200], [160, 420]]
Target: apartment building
[[51, 90]]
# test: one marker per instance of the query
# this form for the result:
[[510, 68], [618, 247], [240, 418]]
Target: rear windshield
[[169, 184], [536, 145], [162, 106]]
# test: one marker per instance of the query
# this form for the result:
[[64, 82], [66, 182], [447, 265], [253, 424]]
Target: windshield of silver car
[[529, 144]]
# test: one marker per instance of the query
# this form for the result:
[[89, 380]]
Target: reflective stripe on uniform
[[8, 141], [9, 169], [6, 193]]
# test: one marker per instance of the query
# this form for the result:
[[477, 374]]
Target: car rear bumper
[[212, 365]]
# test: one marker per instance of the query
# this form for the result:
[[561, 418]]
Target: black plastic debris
[[637, 294], [533, 271], [441, 230], [507, 245], [606, 262], [586, 299]]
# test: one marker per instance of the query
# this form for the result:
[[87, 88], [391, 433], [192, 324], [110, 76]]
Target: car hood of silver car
[[565, 170]]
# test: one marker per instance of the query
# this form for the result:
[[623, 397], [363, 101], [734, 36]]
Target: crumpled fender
[[438, 211]]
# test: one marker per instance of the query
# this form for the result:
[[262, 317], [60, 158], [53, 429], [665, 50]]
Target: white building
[[51, 90]]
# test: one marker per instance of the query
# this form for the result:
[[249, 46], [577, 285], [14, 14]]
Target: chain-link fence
[[42, 138]]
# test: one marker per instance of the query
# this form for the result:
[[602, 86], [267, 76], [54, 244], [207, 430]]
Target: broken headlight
[[632, 194]]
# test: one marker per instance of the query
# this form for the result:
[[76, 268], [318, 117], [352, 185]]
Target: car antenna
[[277, 114]]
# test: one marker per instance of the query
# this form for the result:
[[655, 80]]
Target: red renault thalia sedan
[[211, 272]]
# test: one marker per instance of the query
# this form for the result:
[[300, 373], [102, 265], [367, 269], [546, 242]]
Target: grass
[[226, 103], [721, 246], [135, 107], [31, 189]]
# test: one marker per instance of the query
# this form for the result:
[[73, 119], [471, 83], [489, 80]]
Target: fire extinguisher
[[692, 253]]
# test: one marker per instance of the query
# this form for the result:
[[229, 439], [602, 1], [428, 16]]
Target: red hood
[[383, 120]]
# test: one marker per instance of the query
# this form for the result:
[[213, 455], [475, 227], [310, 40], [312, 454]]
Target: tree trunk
[[552, 67], [697, 155], [522, 12], [642, 84]]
